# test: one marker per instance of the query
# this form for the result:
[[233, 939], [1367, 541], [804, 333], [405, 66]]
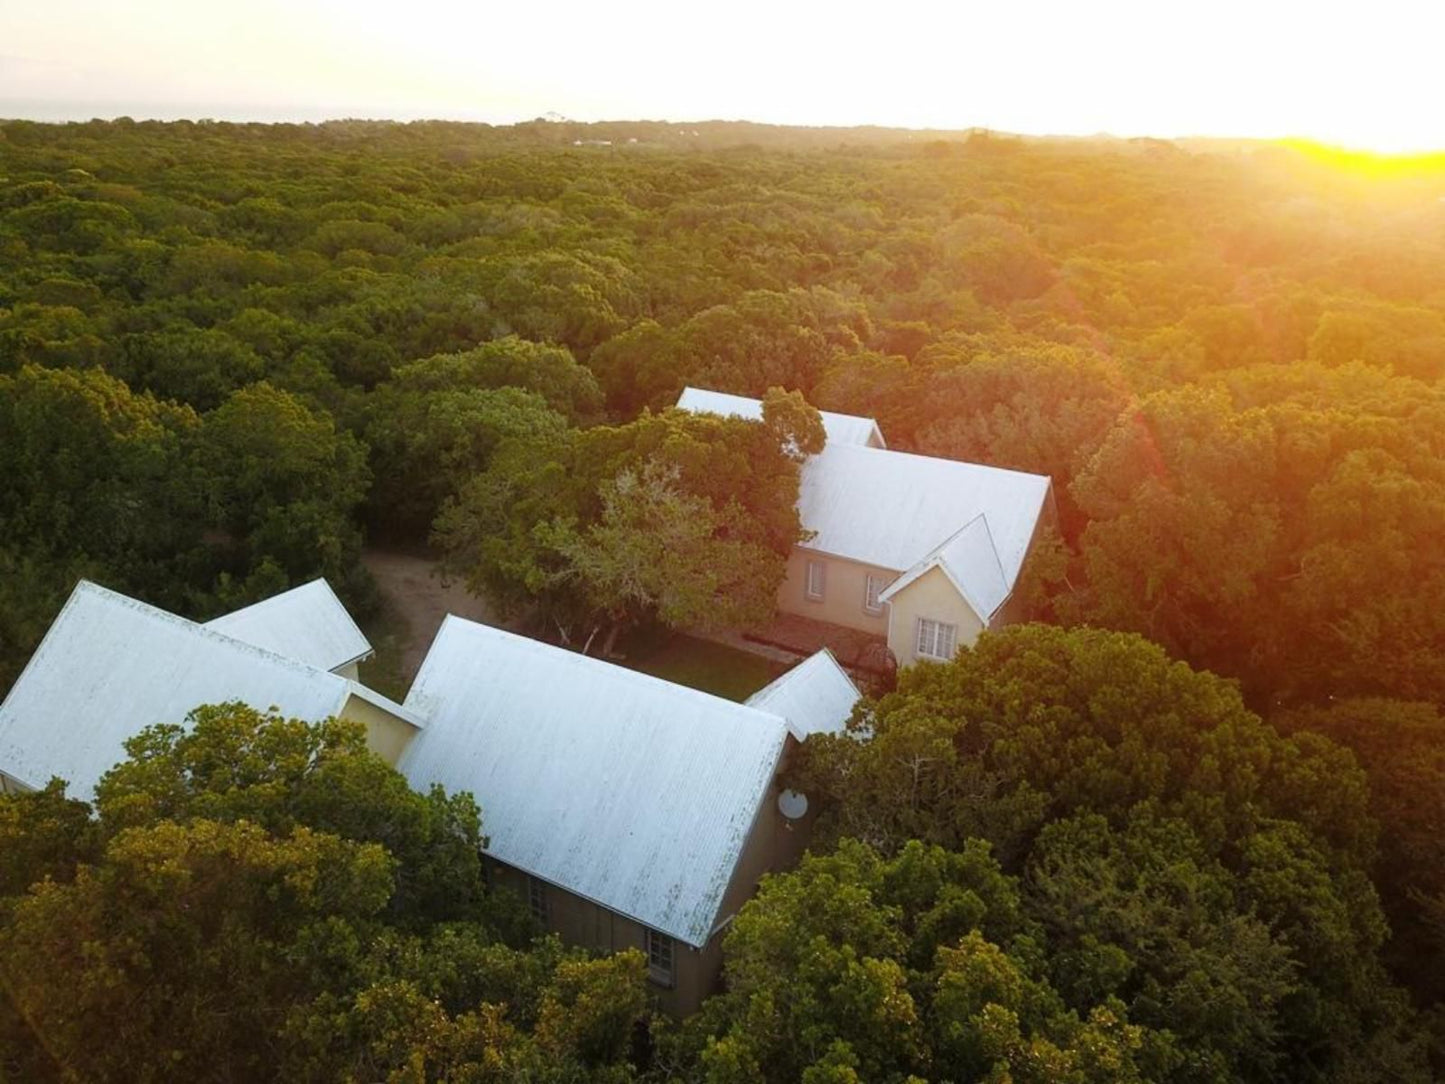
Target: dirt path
[[416, 601]]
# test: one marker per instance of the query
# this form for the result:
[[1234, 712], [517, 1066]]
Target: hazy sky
[[1366, 74]]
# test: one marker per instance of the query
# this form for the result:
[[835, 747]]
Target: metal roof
[[892, 509], [307, 623], [625, 789], [110, 666], [815, 697], [840, 428], [970, 561]]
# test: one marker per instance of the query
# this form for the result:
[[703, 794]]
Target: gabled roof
[[892, 509], [970, 561], [841, 428], [814, 697], [307, 623], [111, 666], [625, 789]]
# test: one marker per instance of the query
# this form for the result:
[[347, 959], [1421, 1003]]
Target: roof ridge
[[157, 612], [934, 459], [568, 657]]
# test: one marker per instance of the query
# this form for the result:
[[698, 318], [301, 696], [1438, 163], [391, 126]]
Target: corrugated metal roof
[[111, 666], [892, 509], [307, 623], [815, 697], [971, 562], [628, 790], [841, 428]]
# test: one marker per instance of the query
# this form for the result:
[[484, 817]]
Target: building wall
[[773, 844], [386, 734], [589, 925], [9, 785], [843, 588], [933, 596], [350, 670]]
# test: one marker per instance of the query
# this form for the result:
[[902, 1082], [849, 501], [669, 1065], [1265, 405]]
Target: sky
[[1362, 74]]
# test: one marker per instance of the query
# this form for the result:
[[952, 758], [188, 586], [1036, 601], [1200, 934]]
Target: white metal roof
[[971, 562], [815, 697], [892, 509], [628, 790], [840, 428], [307, 623], [110, 666]]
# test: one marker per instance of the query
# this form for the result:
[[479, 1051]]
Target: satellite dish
[[792, 804]]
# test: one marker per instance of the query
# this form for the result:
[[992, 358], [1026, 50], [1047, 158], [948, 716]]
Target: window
[[659, 958], [935, 639], [872, 588], [537, 898], [817, 574]]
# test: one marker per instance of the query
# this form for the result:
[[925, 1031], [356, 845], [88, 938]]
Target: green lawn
[[386, 670], [700, 664]]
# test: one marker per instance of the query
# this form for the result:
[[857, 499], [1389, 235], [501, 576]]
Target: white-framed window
[[817, 579], [872, 588], [936, 639], [659, 949], [537, 898]]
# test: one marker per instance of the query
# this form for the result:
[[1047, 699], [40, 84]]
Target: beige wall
[[933, 596], [12, 786], [842, 602], [350, 670], [386, 734]]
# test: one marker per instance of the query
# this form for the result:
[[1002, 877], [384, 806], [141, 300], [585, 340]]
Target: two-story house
[[919, 551]]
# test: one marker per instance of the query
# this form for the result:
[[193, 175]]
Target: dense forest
[[1187, 828]]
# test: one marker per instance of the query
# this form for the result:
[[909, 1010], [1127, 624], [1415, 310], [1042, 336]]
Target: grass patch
[[389, 634], [699, 664]]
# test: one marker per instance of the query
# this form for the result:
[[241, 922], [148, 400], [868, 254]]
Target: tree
[[678, 517], [187, 944], [283, 483], [427, 444], [659, 552], [232, 763], [857, 967], [1399, 744], [1167, 838], [262, 898]]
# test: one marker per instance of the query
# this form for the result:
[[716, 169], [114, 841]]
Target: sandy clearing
[[413, 591]]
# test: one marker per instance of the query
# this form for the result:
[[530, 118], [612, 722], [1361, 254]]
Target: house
[[109, 666], [627, 810], [839, 428], [918, 551], [307, 623]]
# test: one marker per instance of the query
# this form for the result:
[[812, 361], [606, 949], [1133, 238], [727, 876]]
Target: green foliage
[[283, 483], [922, 966], [1251, 530], [185, 944], [1178, 855], [682, 518], [1401, 746], [233, 763], [261, 898], [1241, 413]]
